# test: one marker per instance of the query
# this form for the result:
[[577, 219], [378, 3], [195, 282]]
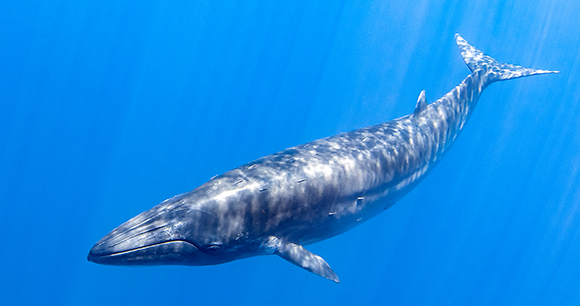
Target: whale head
[[179, 231]]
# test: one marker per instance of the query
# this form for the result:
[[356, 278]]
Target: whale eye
[[214, 246]]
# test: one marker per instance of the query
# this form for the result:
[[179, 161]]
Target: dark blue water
[[109, 107]]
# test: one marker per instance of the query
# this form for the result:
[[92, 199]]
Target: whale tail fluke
[[476, 60]]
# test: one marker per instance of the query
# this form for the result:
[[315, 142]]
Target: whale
[[279, 203]]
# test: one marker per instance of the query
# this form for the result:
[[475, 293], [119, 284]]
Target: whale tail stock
[[476, 60]]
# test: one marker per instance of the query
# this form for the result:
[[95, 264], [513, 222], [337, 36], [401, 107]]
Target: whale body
[[307, 193]]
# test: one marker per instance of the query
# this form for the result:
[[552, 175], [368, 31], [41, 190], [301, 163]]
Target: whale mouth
[[177, 252], [157, 245]]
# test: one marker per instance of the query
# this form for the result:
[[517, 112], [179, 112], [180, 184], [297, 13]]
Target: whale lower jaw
[[176, 252]]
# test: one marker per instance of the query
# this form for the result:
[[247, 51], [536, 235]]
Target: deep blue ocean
[[110, 107]]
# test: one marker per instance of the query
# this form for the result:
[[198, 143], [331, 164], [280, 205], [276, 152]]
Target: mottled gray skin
[[307, 193]]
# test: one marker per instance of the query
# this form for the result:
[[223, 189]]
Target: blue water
[[110, 107]]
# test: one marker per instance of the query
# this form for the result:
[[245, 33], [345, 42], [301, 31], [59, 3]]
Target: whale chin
[[177, 252], [164, 253]]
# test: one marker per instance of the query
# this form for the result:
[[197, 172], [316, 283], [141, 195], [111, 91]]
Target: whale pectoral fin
[[303, 258]]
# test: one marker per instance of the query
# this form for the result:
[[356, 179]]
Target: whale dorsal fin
[[299, 256], [421, 104]]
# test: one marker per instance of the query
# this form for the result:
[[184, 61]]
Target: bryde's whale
[[307, 193]]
